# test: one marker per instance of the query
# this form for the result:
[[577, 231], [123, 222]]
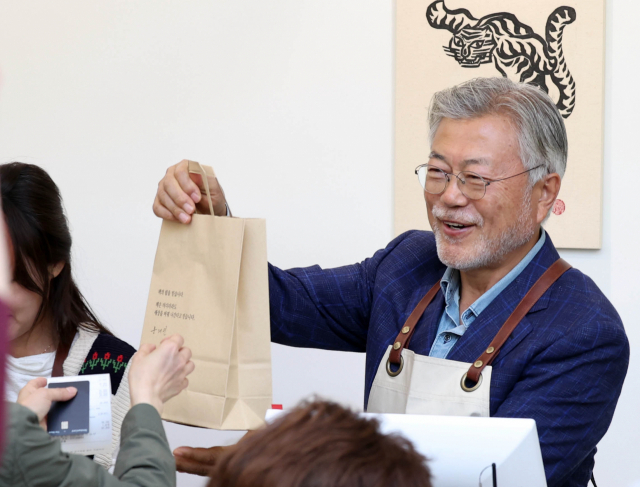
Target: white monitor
[[461, 450]]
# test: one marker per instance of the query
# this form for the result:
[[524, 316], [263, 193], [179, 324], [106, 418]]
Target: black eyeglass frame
[[486, 181]]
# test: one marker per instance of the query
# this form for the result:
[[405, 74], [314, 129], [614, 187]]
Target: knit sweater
[[99, 353]]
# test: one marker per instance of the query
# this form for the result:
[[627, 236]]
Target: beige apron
[[416, 384]]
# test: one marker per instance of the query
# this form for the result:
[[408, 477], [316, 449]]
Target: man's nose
[[452, 195]]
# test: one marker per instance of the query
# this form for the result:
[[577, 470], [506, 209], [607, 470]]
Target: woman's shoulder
[[108, 355], [105, 340]]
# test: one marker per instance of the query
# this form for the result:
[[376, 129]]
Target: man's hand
[[159, 373], [179, 193], [37, 397], [197, 461]]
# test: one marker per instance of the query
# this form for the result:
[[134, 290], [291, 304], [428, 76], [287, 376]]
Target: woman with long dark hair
[[52, 330]]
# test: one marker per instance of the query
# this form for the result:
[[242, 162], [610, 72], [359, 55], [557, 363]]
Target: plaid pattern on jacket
[[563, 366]]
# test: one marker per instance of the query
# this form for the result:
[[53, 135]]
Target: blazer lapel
[[432, 317], [427, 326], [485, 327]]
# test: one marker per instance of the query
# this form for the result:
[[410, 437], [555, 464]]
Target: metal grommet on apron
[[429, 385], [473, 387], [397, 372]]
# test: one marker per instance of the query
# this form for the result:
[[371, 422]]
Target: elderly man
[[482, 311]]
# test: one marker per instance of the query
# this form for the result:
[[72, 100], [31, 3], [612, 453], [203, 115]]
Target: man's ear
[[548, 191], [55, 270]]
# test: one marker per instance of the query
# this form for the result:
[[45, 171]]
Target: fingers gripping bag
[[210, 285]]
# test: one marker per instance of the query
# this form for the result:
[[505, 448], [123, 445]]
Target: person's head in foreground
[[498, 153], [321, 444]]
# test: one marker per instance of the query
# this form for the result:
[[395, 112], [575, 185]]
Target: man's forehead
[[481, 140], [483, 161]]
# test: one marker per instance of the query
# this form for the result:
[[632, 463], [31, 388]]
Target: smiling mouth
[[455, 225]]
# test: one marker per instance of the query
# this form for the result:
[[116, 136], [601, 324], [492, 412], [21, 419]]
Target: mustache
[[461, 216]]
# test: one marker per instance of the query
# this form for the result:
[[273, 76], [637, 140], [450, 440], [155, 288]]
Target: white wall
[[292, 102]]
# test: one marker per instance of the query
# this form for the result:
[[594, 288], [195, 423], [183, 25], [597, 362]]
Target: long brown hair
[[41, 239], [321, 444]]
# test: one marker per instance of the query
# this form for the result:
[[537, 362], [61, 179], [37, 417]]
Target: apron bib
[[407, 382], [427, 385]]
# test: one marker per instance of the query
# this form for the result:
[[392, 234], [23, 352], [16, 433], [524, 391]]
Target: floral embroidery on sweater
[[104, 362], [108, 355]]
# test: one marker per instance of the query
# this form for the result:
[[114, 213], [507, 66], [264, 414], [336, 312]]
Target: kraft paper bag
[[210, 285]]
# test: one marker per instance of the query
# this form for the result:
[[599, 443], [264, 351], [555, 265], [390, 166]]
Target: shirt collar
[[450, 282]]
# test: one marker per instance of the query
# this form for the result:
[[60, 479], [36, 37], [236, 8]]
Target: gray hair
[[541, 132]]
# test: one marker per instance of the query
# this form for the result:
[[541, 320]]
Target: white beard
[[486, 252]]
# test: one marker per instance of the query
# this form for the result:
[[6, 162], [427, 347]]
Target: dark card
[[70, 417]]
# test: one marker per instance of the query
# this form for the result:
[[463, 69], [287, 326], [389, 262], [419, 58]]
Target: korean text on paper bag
[[210, 284]]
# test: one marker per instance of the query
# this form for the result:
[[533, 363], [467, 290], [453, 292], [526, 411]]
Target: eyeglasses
[[434, 181]]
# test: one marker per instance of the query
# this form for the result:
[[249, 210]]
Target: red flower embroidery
[[107, 356], [120, 357], [95, 355]]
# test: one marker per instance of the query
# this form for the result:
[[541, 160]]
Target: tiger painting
[[513, 47]]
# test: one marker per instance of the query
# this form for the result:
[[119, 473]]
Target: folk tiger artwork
[[512, 46], [556, 45]]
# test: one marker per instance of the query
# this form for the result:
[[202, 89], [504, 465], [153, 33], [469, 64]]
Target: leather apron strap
[[551, 275], [404, 337], [61, 355], [544, 282]]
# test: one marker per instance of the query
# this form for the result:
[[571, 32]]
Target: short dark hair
[[40, 238], [321, 444]]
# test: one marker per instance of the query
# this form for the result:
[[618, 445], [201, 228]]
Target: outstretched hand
[[180, 193], [200, 461], [197, 461], [159, 373], [39, 398]]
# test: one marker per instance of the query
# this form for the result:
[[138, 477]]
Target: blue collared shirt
[[450, 329]]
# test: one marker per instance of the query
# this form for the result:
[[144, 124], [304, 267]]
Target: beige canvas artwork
[[554, 44]]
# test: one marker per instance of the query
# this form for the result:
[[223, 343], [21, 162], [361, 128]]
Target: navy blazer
[[563, 366]]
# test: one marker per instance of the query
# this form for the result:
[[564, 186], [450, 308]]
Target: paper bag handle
[[197, 168]]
